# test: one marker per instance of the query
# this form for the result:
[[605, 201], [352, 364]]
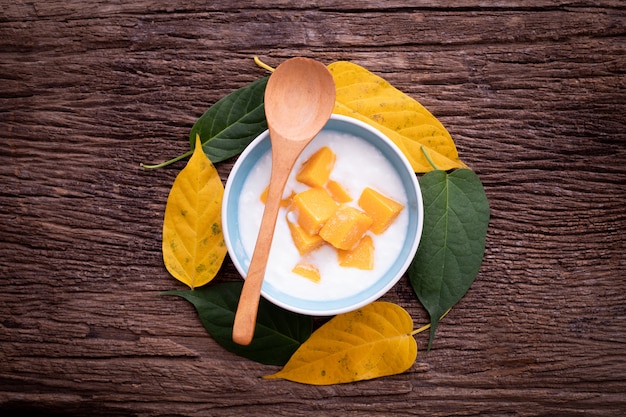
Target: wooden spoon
[[299, 99]]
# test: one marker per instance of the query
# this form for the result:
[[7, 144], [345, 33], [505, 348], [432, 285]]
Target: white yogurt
[[354, 171]]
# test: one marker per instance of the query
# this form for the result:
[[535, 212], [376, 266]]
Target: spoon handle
[[245, 317]]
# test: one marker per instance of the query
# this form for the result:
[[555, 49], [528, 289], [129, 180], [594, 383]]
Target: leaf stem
[[166, 163], [420, 330], [426, 327], [430, 161], [262, 64]]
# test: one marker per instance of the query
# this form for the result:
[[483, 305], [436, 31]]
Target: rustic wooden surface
[[534, 94]]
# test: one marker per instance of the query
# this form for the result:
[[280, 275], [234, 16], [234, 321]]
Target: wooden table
[[533, 93]]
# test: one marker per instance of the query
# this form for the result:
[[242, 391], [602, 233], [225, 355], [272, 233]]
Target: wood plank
[[532, 93]]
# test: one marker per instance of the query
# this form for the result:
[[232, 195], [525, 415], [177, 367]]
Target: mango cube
[[383, 210], [337, 191], [361, 257], [307, 271], [304, 241], [346, 227], [316, 170], [313, 207], [285, 202]]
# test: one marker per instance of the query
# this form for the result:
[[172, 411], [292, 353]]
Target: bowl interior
[[387, 278]]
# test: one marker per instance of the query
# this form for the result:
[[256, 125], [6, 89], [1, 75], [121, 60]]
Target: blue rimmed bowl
[[234, 207]]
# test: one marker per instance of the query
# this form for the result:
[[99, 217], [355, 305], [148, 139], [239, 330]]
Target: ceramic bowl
[[339, 292]]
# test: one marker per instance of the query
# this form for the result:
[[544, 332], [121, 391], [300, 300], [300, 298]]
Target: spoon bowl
[[299, 100]]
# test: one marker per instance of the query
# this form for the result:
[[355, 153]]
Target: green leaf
[[456, 216], [228, 126], [278, 334]]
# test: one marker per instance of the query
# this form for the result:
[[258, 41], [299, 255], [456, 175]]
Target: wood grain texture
[[533, 93]]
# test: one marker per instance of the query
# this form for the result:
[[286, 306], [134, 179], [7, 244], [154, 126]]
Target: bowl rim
[[380, 287]]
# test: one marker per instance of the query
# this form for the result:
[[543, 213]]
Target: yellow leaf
[[193, 242], [371, 342], [371, 99]]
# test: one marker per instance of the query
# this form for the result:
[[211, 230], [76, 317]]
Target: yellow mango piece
[[361, 257], [308, 271], [304, 241], [346, 227], [383, 210], [316, 170], [313, 207], [285, 202], [337, 191]]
